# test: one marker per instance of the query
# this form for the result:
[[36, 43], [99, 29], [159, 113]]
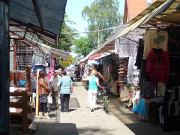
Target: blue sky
[[74, 9]]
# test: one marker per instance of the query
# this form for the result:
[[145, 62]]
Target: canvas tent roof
[[161, 12], [31, 40], [43, 17]]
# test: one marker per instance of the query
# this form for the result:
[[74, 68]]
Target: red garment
[[158, 66]]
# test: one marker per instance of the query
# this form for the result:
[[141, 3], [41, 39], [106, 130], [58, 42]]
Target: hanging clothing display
[[140, 107], [147, 88], [38, 59], [161, 87], [48, 59], [51, 73], [155, 38], [123, 71], [125, 47], [124, 91], [140, 52], [174, 39], [133, 72], [157, 66]]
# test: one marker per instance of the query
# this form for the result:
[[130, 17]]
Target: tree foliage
[[82, 46], [101, 14], [66, 40]]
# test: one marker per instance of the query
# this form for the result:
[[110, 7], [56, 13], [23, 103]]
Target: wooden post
[[25, 112], [28, 78], [37, 95]]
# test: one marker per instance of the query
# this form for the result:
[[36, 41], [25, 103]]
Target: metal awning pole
[[4, 68]]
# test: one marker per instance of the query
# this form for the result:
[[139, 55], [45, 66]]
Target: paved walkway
[[135, 123], [80, 121]]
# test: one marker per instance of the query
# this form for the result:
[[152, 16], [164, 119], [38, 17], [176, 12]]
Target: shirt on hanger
[[158, 66], [154, 39]]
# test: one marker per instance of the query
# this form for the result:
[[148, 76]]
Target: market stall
[[148, 47], [158, 62], [20, 19]]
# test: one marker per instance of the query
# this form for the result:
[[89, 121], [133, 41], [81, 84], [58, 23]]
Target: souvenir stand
[[158, 59], [21, 101], [107, 65], [23, 81], [160, 78], [128, 74], [110, 72]]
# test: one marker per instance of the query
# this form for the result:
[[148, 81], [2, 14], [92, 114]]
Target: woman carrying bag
[[44, 91]]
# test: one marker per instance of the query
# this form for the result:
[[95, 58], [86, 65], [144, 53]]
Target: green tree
[[82, 46], [66, 40], [100, 15]]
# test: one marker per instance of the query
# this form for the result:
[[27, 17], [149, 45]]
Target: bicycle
[[104, 97]]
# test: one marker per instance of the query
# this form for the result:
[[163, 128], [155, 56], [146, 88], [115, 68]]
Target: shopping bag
[[50, 99]]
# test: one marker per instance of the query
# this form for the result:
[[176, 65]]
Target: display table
[[20, 109]]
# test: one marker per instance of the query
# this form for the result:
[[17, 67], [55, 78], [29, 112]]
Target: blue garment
[[34, 67], [140, 107], [93, 83], [65, 83]]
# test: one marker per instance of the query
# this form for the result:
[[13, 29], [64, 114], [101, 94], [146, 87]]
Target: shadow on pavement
[[95, 131], [56, 129], [145, 128], [71, 110], [137, 125], [44, 128], [98, 108], [52, 115], [74, 103]]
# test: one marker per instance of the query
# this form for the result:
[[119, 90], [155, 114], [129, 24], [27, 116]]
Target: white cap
[[56, 71]]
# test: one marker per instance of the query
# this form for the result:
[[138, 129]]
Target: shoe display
[[122, 71]]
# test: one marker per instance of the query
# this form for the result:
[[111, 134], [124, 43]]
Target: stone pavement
[[80, 121], [91, 123], [133, 122]]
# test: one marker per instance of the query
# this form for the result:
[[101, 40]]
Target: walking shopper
[[55, 89], [44, 91], [48, 103], [93, 88], [60, 71], [100, 77], [98, 73], [66, 87]]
